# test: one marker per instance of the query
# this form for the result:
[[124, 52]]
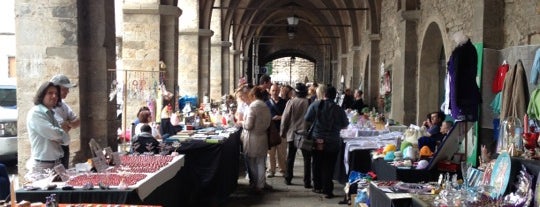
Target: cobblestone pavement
[[284, 195]]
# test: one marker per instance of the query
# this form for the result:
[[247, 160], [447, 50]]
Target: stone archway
[[432, 69]]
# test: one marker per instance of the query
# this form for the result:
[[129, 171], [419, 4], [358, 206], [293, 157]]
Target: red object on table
[[447, 166]]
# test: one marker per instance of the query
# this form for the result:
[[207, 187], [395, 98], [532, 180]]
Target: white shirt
[[45, 134], [64, 113]]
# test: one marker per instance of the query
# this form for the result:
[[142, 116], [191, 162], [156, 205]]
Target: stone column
[[404, 78], [46, 41], [227, 86], [140, 53], [216, 62], [357, 73], [236, 67], [204, 62], [371, 93], [169, 45]]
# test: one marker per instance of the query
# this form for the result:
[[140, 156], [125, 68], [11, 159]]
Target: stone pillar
[[357, 73], [404, 79], [237, 67], [204, 62], [140, 54], [169, 45], [78, 46], [216, 62], [371, 93], [46, 39], [227, 86]]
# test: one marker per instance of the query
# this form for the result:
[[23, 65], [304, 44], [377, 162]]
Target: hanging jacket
[[464, 92], [499, 78], [533, 110], [535, 67], [515, 94]]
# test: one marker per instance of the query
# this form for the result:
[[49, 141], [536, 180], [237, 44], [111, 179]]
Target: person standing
[[291, 121], [358, 103], [328, 119], [257, 120], [45, 134], [276, 105], [64, 114]]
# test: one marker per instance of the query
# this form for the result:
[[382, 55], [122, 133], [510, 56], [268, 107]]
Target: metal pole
[[290, 72]]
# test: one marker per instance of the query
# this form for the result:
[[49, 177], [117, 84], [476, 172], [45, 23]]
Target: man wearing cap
[[63, 113]]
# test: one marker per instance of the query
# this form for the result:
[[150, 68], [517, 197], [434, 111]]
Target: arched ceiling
[[325, 26]]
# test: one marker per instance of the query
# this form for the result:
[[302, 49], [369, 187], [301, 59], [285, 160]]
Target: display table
[[210, 172], [208, 176], [356, 152], [382, 197], [386, 171], [139, 193]]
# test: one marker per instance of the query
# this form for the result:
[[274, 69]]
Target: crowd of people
[[292, 109]]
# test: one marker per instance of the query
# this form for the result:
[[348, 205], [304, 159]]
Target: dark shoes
[[329, 196], [288, 182], [308, 186]]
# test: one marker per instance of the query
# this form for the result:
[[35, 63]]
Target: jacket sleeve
[[249, 122], [535, 68], [285, 120]]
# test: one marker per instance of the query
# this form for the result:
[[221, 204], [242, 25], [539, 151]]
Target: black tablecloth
[[208, 177], [385, 171], [359, 160], [378, 198], [210, 172]]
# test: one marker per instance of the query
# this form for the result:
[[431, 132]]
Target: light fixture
[[292, 20]]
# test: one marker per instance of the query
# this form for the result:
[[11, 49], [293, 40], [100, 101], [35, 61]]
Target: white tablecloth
[[368, 142]]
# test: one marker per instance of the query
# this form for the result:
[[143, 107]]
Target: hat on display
[[422, 164], [62, 80], [300, 88]]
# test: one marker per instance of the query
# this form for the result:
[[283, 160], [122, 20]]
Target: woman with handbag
[[257, 120], [292, 120], [328, 120]]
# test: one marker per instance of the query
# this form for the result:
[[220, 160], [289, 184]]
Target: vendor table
[[142, 193], [208, 176], [380, 198], [386, 171], [356, 152], [210, 172]]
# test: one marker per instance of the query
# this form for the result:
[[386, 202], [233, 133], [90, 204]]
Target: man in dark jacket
[[145, 142]]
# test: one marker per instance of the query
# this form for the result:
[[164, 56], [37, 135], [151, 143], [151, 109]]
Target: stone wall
[[521, 22]]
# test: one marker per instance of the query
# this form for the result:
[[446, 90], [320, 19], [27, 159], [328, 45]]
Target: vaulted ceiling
[[325, 26]]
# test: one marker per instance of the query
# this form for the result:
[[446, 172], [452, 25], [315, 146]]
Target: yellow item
[[389, 148]]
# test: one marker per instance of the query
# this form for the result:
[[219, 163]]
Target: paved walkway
[[284, 195]]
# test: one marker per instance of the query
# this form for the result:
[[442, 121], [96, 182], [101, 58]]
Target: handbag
[[273, 135], [303, 140]]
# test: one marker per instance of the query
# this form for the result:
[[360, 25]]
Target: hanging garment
[[496, 103], [445, 106], [535, 67], [464, 92], [533, 110], [499, 78], [515, 93]]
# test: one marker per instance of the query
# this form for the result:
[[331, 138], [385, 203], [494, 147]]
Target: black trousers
[[291, 155], [323, 170], [65, 159]]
